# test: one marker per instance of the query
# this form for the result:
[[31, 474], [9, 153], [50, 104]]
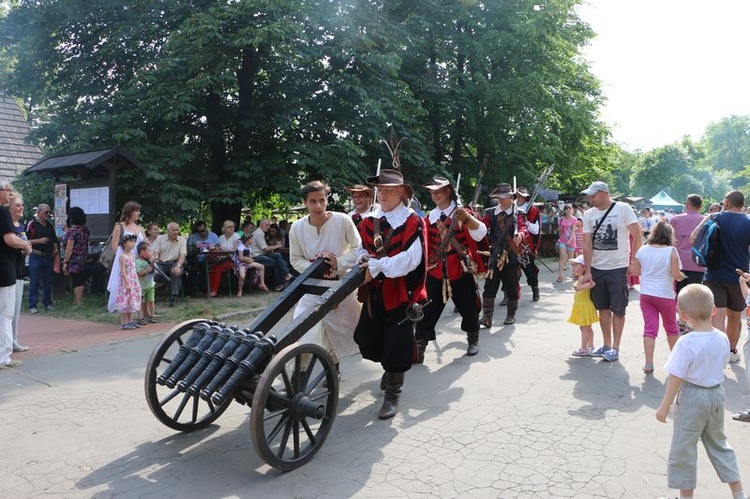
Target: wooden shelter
[[95, 187]]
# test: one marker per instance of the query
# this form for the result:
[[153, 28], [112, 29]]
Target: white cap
[[596, 187]]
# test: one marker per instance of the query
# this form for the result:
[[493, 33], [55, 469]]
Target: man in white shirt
[[333, 236], [606, 254]]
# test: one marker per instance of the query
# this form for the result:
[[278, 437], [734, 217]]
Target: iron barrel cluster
[[216, 359]]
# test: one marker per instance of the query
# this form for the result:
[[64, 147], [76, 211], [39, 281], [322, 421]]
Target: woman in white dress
[[128, 224]]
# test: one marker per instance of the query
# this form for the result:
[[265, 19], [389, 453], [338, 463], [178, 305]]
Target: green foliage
[[238, 103], [36, 188]]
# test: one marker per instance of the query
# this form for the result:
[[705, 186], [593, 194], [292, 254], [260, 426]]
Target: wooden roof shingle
[[15, 154]]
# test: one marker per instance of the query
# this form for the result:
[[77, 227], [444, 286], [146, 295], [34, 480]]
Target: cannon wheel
[[178, 410], [294, 406]]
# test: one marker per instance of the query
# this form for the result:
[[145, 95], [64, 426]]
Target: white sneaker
[[734, 357]]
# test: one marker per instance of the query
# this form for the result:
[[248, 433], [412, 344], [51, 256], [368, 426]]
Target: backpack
[[705, 249]]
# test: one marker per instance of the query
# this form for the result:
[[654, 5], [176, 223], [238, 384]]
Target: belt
[[38, 253]]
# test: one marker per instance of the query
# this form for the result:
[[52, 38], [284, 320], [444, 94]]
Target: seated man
[[170, 250], [200, 241], [266, 254]]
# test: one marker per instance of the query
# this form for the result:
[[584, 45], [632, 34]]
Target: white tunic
[[335, 331]]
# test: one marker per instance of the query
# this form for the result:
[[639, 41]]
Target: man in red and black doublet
[[452, 261], [362, 197], [393, 239], [532, 240], [505, 240]]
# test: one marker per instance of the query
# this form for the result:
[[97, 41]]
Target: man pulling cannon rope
[[393, 252], [453, 233]]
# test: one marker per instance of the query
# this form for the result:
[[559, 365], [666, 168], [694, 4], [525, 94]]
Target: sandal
[[581, 352], [152, 320], [127, 327], [559, 279], [648, 368], [743, 416]]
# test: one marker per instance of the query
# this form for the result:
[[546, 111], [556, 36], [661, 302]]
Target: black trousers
[[465, 297], [509, 276], [382, 339], [532, 272]]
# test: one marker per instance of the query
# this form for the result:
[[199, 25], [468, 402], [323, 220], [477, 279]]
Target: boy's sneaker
[[611, 355], [33, 310], [599, 351], [49, 308], [734, 357]]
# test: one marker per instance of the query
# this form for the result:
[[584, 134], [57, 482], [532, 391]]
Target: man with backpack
[[734, 240]]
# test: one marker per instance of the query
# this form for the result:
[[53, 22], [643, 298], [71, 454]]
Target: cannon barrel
[[195, 353], [233, 359], [218, 362], [199, 330], [206, 357], [252, 365]]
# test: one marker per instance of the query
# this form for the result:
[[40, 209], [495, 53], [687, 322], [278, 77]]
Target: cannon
[[201, 366]]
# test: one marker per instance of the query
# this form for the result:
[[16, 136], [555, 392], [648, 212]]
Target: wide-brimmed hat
[[596, 187], [360, 188], [502, 191], [390, 178], [521, 191], [438, 183]]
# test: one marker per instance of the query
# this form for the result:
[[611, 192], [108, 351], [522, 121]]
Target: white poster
[[92, 200]]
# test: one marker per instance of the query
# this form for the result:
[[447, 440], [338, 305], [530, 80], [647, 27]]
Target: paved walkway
[[45, 335], [521, 419]]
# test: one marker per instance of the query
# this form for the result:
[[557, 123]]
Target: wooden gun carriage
[[292, 388]]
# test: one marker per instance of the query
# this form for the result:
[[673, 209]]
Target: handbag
[[108, 254]]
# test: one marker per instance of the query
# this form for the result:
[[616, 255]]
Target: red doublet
[[531, 240], [403, 290], [452, 258]]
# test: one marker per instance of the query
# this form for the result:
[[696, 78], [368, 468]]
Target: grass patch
[[94, 308]]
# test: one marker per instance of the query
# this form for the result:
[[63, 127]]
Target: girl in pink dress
[[129, 292]]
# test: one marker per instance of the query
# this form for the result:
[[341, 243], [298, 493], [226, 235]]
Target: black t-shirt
[[7, 253], [36, 231]]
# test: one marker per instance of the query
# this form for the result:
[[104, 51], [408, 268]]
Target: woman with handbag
[[128, 224]]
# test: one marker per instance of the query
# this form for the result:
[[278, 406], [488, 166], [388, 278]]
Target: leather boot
[[384, 380], [488, 305], [473, 339], [505, 300], [535, 293], [512, 307], [421, 346], [392, 394]]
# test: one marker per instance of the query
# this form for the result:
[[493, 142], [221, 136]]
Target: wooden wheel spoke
[[279, 425], [181, 407], [284, 439], [169, 397]]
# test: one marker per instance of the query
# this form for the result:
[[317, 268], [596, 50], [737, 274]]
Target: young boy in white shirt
[[696, 373]]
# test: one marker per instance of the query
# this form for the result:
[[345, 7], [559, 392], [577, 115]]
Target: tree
[[237, 103]]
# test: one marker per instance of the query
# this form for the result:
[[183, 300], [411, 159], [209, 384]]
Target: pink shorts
[[652, 307]]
